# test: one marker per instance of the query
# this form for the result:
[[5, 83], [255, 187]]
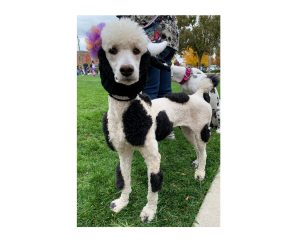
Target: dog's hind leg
[[155, 178], [124, 172], [190, 136]]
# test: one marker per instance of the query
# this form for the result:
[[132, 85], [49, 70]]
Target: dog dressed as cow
[[135, 123]]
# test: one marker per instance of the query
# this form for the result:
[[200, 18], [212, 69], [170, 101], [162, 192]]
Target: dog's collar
[[122, 98], [187, 75]]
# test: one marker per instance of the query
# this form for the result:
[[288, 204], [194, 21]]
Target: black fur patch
[[206, 97], [108, 79], [146, 99], [106, 132], [136, 123], [178, 97], [119, 178], [205, 133], [163, 126], [214, 78], [156, 181]]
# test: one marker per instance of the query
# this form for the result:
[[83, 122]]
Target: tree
[[205, 60], [201, 33], [190, 57]]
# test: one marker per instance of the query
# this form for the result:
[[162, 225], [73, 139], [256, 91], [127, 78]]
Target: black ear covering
[[106, 72], [144, 66]]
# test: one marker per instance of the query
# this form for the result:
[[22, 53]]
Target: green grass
[[181, 195]]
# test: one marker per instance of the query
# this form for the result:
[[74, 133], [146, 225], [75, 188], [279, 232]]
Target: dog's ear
[[105, 69], [214, 78], [144, 66]]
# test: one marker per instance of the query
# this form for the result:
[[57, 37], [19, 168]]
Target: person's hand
[[158, 63], [156, 48]]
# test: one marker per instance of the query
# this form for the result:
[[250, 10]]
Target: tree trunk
[[200, 54]]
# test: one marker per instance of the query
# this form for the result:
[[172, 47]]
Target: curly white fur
[[124, 33]]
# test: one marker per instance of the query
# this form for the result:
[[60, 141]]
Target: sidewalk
[[209, 212]]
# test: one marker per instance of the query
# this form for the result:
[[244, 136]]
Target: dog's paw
[[117, 205], [200, 175], [147, 214], [195, 163], [218, 130]]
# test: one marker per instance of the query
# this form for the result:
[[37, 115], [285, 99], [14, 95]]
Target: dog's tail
[[208, 83]]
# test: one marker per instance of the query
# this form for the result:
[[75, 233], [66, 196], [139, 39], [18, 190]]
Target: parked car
[[203, 68], [213, 68]]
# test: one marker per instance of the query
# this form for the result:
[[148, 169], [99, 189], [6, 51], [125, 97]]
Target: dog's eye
[[113, 51], [136, 51]]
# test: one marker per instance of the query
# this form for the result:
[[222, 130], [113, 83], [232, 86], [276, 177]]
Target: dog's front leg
[[200, 170], [124, 173], [155, 178], [190, 136]]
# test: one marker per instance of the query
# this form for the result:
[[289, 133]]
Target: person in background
[[159, 28], [78, 70], [93, 69], [85, 68]]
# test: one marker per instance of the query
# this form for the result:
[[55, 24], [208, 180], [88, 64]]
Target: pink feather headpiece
[[93, 39]]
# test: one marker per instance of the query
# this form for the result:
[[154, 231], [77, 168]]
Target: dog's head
[[123, 58]]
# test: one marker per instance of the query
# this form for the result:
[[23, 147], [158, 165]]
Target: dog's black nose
[[126, 70]]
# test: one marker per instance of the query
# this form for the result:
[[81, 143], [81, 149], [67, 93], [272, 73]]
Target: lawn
[[181, 195]]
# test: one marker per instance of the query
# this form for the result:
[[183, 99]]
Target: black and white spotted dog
[[134, 122], [190, 80]]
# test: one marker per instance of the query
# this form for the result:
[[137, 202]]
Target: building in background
[[84, 57]]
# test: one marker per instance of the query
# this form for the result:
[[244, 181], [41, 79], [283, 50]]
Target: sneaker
[[171, 136]]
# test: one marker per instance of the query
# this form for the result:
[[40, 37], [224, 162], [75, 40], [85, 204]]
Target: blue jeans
[[159, 80]]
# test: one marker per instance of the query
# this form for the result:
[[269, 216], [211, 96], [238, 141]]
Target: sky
[[85, 22]]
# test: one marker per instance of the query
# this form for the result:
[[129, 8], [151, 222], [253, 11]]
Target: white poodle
[[134, 122]]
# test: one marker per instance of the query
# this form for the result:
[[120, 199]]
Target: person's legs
[[165, 83], [165, 79], [152, 85]]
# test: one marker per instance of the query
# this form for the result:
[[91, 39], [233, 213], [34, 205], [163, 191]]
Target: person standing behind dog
[[159, 28]]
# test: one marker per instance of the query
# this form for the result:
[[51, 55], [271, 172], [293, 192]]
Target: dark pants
[[159, 80]]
